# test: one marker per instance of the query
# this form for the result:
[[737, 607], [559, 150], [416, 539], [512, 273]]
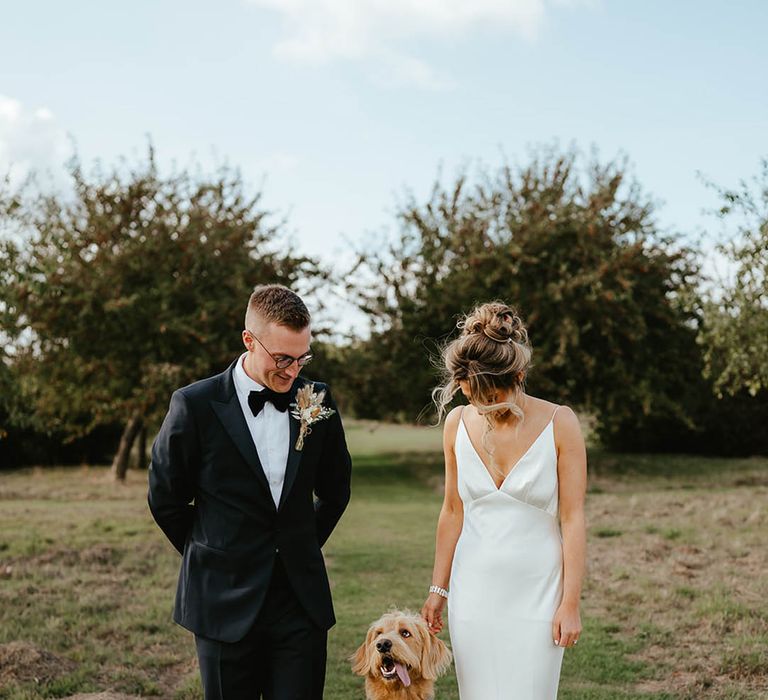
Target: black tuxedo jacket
[[210, 496]]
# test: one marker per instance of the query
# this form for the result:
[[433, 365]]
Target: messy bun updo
[[490, 353], [497, 322]]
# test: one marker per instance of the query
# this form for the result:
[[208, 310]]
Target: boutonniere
[[308, 408]]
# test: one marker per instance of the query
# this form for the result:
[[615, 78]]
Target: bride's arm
[[572, 477], [448, 526]]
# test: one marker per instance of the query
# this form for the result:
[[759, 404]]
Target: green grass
[[607, 532], [672, 606], [366, 438]]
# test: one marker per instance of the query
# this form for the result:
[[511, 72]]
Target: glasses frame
[[280, 360]]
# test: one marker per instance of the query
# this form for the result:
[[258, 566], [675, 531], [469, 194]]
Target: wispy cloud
[[373, 30], [30, 140]]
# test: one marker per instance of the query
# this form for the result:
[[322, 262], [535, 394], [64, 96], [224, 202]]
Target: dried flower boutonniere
[[308, 408]]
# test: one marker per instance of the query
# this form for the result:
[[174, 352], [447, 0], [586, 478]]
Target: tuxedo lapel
[[294, 455], [232, 419]]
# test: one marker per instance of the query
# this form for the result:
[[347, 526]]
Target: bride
[[511, 535]]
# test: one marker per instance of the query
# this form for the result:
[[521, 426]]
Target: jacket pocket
[[208, 557]]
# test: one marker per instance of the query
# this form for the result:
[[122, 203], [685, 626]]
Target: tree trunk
[[141, 457], [123, 455]]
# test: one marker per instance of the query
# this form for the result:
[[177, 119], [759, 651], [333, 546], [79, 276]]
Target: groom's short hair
[[277, 304]]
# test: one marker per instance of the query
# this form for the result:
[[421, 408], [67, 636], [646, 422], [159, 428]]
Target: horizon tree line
[[127, 288]]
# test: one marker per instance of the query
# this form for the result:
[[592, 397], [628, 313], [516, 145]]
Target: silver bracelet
[[439, 590]]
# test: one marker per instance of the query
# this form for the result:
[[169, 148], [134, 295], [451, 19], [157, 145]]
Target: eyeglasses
[[284, 361]]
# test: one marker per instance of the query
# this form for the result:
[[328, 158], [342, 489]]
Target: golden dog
[[400, 659]]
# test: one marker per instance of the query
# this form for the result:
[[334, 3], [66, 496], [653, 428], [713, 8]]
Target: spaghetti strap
[[554, 412]]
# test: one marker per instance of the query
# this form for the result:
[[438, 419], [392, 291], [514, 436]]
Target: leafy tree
[[577, 251], [130, 287], [735, 330]]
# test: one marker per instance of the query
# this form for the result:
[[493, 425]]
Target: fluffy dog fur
[[408, 667]]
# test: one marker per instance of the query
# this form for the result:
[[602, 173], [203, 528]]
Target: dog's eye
[[405, 633]]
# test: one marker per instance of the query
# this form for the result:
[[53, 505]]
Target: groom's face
[[278, 341]]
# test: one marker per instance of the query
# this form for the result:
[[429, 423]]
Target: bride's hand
[[432, 612], [566, 627]]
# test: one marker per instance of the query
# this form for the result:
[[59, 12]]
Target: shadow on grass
[[396, 473], [749, 470]]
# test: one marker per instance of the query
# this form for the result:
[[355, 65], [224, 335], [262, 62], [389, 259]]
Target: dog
[[400, 659]]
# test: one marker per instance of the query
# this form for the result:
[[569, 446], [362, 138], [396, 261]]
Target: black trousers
[[282, 657]]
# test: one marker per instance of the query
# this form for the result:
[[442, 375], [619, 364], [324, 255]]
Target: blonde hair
[[278, 304], [491, 353]]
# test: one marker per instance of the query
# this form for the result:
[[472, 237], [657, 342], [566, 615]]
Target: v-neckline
[[519, 459]]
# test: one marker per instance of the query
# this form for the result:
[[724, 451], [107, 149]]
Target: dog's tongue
[[402, 674]]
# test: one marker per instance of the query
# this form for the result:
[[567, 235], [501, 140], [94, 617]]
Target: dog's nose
[[384, 645]]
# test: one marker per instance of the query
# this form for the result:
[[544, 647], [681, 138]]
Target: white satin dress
[[506, 577]]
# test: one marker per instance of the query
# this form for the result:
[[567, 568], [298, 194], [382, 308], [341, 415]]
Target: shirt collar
[[243, 382]]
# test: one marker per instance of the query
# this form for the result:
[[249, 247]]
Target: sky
[[335, 108]]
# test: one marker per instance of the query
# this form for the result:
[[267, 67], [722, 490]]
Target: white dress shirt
[[270, 431]]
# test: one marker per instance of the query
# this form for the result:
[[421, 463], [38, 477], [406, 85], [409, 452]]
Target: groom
[[234, 495]]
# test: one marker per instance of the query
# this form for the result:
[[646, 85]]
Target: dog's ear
[[361, 659], [436, 657]]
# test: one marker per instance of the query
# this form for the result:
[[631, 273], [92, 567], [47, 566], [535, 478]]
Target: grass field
[[675, 605]]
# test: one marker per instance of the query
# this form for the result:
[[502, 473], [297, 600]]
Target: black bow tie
[[257, 399]]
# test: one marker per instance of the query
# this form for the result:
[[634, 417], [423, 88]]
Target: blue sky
[[333, 107]]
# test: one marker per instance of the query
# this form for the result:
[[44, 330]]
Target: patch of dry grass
[[686, 568]]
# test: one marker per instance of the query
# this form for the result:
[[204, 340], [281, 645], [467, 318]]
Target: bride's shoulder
[[451, 424], [547, 408], [564, 419]]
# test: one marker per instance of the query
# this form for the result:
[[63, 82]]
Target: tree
[[130, 288], [735, 330], [579, 254]]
